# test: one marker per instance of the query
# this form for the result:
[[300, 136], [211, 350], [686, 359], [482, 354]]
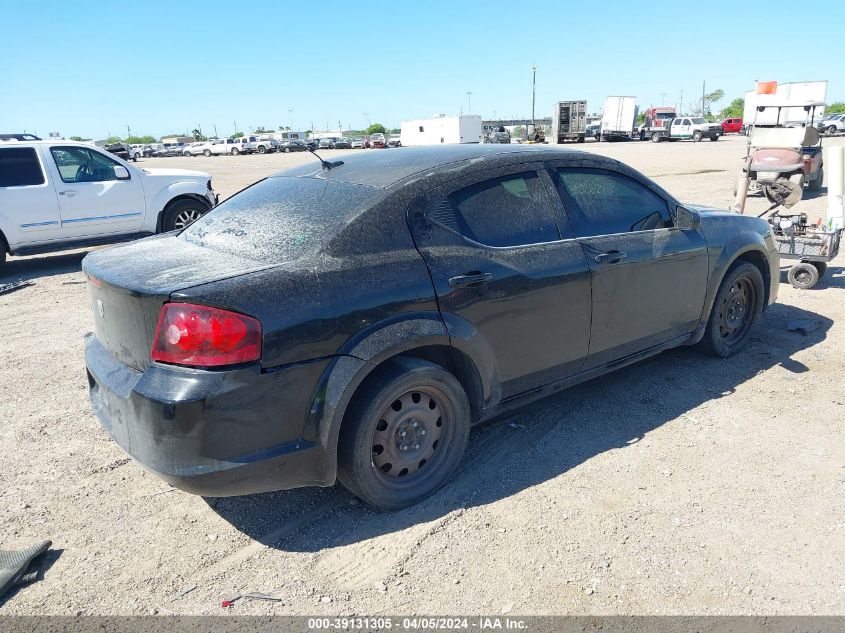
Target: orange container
[[767, 87]]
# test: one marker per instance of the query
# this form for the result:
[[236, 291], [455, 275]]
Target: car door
[[649, 278], [29, 209], [506, 274], [92, 199]]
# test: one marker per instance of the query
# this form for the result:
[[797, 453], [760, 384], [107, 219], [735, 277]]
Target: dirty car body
[[479, 260]]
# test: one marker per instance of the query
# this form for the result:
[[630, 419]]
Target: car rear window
[[280, 218], [19, 167]]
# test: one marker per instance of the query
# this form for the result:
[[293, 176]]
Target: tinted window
[[602, 203], [508, 211], [19, 167], [80, 164], [280, 219]]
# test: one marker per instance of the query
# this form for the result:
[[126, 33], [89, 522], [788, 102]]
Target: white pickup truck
[[221, 146], [56, 195], [687, 127]]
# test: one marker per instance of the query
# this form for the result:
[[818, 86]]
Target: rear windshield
[[698, 120], [281, 218]]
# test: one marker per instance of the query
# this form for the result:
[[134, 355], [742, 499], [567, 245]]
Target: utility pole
[[662, 97], [215, 130], [128, 131], [533, 94], [681, 107], [367, 116], [703, 84], [290, 119], [235, 123]]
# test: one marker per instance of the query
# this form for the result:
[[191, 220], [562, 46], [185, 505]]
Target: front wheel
[[182, 213], [404, 434], [287, 150], [831, 129], [206, 153], [736, 310], [714, 138]]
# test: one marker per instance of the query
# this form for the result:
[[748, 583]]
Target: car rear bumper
[[214, 433]]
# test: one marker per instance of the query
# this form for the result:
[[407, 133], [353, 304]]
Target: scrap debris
[[14, 566], [15, 285]]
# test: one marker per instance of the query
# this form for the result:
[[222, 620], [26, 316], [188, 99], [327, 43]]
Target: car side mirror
[[121, 173], [686, 220]]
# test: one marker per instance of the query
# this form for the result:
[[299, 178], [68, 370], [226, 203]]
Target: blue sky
[[92, 68]]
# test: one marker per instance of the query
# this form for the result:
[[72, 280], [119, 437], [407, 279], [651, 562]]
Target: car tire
[[803, 275], [736, 310], [287, 150], [262, 149], [235, 151], [182, 213], [821, 267], [714, 138], [406, 402], [696, 137], [206, 153], [816, 183], [655, 137], [831, 129]]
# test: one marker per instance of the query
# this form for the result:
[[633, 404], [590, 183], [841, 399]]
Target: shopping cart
[[813, 248]]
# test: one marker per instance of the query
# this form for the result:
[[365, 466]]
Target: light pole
[[533, 95], [367, 116], [469, 101], [290, 119]]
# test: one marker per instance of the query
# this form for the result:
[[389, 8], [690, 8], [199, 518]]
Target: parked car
[[151, 149], [291, 145], [357, 143], [312, 144], [219, 146], [56, 195], [378, 140], [732, 126], [395, 140], [194, 149], [408, 272], [593, 130], [833, 124], [341, 143], [326, 143], [121, 150], [138, 150], [170, 149]]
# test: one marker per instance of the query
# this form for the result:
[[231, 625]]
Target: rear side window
[[19, 167], [280, 219], [603, 203], [508, 211]]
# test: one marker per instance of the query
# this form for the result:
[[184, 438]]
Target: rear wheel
[[803, 275], [404, 434], [235, 151], [287, 150], [655, 137], [714, 138], [696, 137], [182, 213], [736, 310], [206, 153]]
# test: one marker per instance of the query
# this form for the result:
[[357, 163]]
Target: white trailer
[[442, 130], [799, 93], [619, 119]]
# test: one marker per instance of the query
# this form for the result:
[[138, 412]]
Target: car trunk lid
[[129, 283]]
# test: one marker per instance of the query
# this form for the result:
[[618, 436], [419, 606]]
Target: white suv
[[56, 195]]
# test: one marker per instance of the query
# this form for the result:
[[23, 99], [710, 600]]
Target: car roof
[[385, 168]]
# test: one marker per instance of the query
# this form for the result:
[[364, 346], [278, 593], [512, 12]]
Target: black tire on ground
[[696, 137], [831, 129], [655, 137], [206, 153], [736, 310], [407, 403], [262, 149], [235, 151], [815, 185], [714, 138], [182, 213], [821, 267], [803, 275], [287, 150]]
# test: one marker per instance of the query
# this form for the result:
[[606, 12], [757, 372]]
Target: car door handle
[[70, 193], [611, 257], [470, 280]]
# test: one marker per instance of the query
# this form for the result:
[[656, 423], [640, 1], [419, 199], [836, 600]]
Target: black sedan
[[353, 319], [290, 146], [341, 143]]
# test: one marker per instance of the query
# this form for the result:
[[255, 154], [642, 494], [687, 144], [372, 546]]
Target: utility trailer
[[798, 93], [569, 121], [619, 119], [442, 130]]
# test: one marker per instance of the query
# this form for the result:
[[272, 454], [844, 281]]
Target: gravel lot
[[680, 485]]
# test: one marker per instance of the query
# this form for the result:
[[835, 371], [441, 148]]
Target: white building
[[442, 130]]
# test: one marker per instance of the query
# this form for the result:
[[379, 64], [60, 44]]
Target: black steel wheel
[[404, 434], [736, 310], [183, 213], [803, 275]]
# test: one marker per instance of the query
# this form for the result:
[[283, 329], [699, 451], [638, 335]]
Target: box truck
[[799, 93], [569, 121], [442, 130], [619, 119]]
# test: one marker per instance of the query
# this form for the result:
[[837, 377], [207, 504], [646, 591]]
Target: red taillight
[[200, 336]]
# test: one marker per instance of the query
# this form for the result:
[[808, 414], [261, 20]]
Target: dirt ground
[[681, 485]]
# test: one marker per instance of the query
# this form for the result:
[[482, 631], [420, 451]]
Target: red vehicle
[[732, 125]]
